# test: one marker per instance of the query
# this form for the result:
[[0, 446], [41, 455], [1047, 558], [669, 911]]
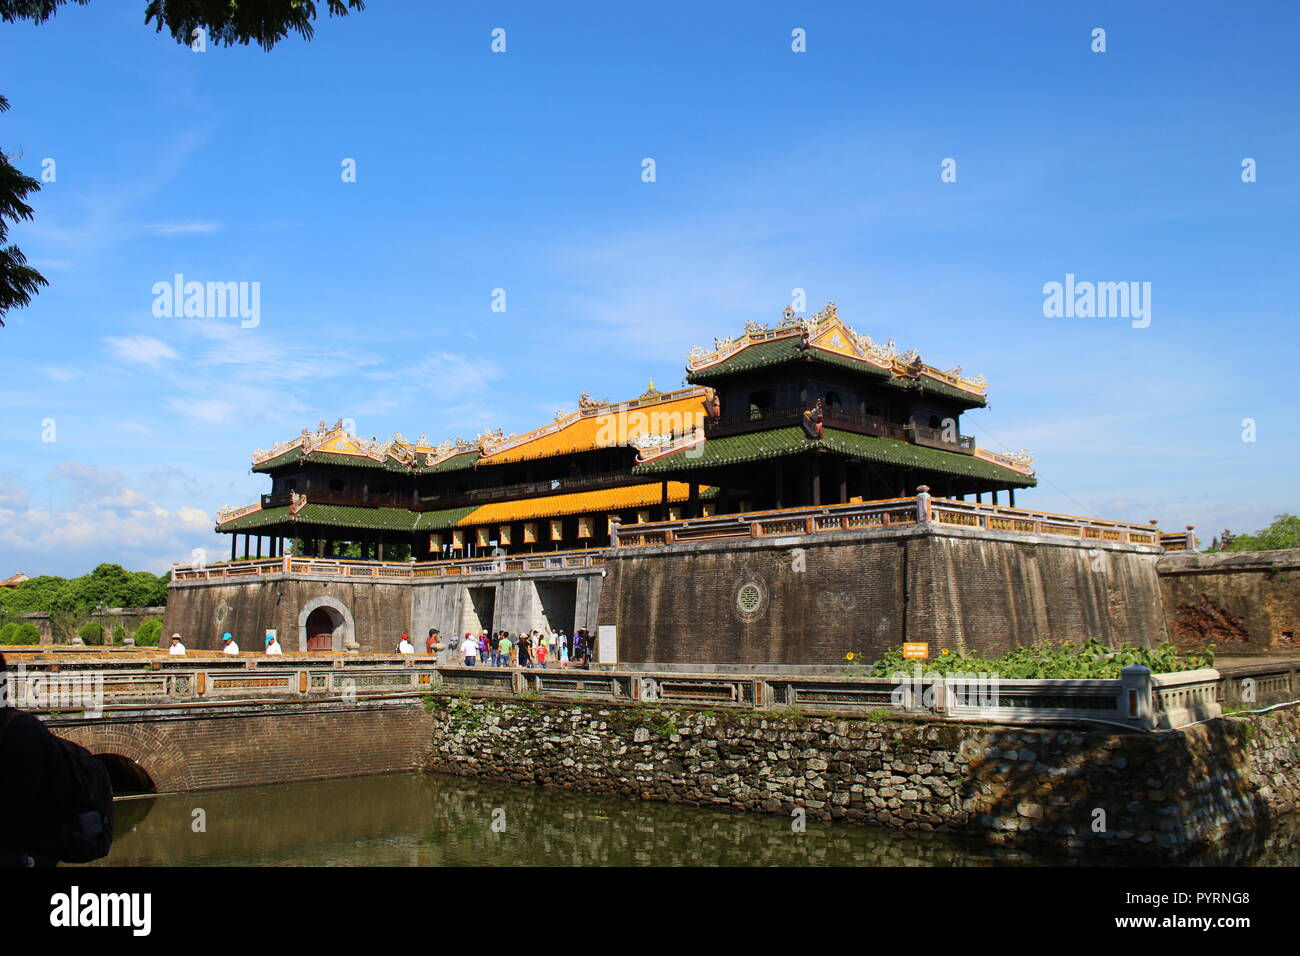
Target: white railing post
[[923, 504], [1135, 684]]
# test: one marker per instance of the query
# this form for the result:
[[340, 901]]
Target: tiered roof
[[824, 337]]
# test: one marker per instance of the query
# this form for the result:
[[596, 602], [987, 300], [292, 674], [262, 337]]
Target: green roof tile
[[780, 442]]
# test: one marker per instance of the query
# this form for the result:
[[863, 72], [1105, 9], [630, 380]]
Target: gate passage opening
[[322, 624]]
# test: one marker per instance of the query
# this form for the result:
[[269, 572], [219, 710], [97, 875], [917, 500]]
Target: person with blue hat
[[273, 644], [229, 645]]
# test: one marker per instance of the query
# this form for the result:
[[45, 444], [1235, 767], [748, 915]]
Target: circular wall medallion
[[751, 600]]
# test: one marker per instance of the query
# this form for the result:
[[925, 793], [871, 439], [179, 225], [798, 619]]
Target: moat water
[[434, 820]]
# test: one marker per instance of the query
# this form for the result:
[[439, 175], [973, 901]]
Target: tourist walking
[[507, 651], [431, 644], [526, 650], [470, 648], [273, 645], [541, 654], [404, 646], [228, 644], [484, 647], [176, 647], [564, 656]]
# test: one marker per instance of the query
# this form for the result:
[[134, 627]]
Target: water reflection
[[433, 820]]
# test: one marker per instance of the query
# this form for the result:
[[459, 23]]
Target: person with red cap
[[404, 646]]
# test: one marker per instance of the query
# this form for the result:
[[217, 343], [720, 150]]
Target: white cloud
[[181, 228], [141, 349], [86, 515]]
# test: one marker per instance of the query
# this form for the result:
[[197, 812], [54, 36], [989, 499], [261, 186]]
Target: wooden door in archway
[[321, 624]]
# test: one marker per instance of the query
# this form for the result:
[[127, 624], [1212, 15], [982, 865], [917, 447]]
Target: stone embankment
[[1079, 788]]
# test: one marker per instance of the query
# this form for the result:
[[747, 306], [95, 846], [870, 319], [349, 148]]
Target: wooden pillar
[[842, 472], [816, 479], [381, 547], [234, 538], [995, 496], [663, 500], [779, 481], [259, 545], [693, 504]]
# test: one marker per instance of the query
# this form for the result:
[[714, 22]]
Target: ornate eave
[[825, 331]]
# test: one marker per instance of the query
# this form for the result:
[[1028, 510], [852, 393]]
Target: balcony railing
[[893, 512], [390, 570], [391, 499]]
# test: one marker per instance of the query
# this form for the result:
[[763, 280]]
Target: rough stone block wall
[[279, 744], [820, 597], [1244, 602], [1159, 793]]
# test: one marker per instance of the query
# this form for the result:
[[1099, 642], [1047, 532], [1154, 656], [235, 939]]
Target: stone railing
[[1138, 699], [893, 512], [388, 570]]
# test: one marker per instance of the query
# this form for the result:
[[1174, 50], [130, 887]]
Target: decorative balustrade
[[389, 570], [93, 685], [884, 514]]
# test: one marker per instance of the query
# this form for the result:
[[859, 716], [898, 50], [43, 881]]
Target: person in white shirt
[[176, 646], [404, 646], [273, 645], [230, 647]]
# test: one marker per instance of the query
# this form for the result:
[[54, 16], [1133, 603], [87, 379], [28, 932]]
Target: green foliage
[[20, 632], [109, 585], [1047, 659], [119, 635], [18, 281], [223, 22], [92, 632], [1282, 534], [148, 633]]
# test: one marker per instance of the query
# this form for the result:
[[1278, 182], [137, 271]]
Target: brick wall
[[1245, 602], [819, 598], [276, 743]]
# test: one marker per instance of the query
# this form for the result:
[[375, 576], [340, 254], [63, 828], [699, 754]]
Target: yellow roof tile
[[580, 502], [610, 426]]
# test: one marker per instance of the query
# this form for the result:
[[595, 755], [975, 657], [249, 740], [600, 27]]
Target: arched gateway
[[324, 624]]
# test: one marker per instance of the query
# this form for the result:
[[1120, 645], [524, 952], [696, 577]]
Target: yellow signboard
[[919, 651]]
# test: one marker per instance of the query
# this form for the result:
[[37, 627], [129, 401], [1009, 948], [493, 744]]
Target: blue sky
[[521, 170]]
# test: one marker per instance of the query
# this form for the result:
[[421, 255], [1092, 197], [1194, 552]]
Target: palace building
[[807, 413]]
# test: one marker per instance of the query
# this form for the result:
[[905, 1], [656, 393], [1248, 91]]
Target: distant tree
[[1282, 534], [119, 635], [222, 22], [92, 632], [65, 622]]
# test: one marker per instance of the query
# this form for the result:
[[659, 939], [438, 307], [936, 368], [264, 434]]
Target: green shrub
[[1047, 659], [148, 633], [20, 632], [92, 633], [119, 635]]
